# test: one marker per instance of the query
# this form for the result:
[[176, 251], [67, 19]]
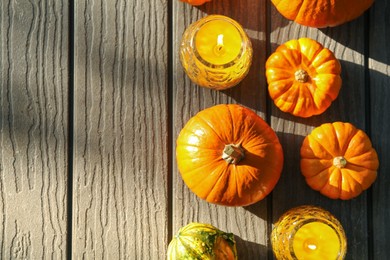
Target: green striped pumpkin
[[203, 242]]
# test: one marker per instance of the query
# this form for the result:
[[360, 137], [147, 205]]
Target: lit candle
[[308, 232], [216, 52]]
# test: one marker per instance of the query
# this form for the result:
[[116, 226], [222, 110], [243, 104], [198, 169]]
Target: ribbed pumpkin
[[338, 160], [195, 2], [202, 241], [228, 155], [322, 13], [303, 77]]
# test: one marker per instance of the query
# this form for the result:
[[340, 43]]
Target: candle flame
[[219, 49], [220, 40]]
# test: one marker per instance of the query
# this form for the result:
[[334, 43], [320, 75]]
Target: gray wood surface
[[33, 129], [130, 100], [379, 116], [120, 136]]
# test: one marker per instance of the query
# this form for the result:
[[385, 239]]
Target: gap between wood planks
[[69, 248], [170, 125], [367, 115]]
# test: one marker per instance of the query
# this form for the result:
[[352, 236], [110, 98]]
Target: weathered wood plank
[[249, 224], [120, 143], [379, 60], [347, 42], [33, 129]]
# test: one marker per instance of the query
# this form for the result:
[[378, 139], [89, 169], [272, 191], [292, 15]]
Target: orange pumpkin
[[303, 77], [195, 2], [321, 13], [338, 160], [228, 155]]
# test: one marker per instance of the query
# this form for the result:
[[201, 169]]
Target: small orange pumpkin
[[321, 13], [338, 160], [195, 2], [228, 155], [303, 77]]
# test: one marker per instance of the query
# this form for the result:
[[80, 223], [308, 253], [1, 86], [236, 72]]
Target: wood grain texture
[[379, 91], [249, 224], [347, 43], [33, 129], [120, 143]]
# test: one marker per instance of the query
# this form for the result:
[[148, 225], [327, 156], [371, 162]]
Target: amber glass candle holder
[[310, 233], [216, 52]]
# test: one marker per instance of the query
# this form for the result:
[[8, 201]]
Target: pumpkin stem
[[339, 162], [233, 153], [301, 76]]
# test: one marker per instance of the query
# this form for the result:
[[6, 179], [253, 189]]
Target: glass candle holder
[[216, 52], [308, 232]]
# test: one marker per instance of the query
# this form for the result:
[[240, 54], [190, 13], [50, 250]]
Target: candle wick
[[219, 47]]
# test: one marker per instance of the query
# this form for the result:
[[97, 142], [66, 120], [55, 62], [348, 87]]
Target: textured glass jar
[[308, 232], [216, 52]]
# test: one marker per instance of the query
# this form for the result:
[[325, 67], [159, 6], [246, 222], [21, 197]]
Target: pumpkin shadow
[[360, 34], [244, 12], [251, 91], [259, 209], [251, 250]]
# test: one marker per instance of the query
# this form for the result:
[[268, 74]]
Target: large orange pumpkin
[[338, 160], [228, 155], [322, 13], [195, 2], [303, 77]]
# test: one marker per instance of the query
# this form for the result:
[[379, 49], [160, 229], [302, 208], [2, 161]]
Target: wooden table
[[93, 97]]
